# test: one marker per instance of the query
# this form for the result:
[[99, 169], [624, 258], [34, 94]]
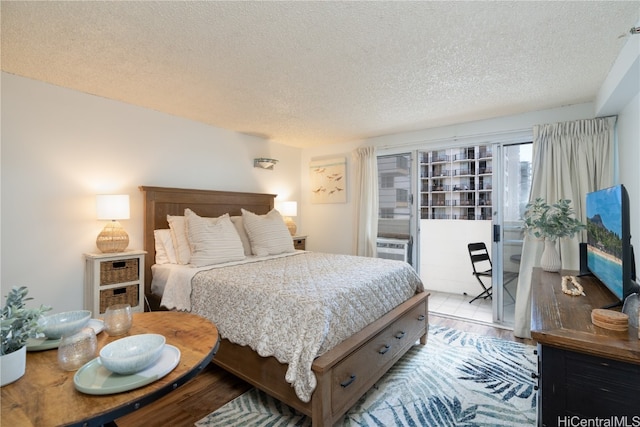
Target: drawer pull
[[421, 317], [348, 382], [400, 335], [384, 349]]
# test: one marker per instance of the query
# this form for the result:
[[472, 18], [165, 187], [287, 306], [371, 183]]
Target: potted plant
[[551, 222], [18, 324]]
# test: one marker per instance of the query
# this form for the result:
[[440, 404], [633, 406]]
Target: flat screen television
[[609, 251]]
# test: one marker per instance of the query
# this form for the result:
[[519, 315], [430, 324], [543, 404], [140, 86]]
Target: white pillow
[[165, 254], [212, 240], [238, 223], [179, 237], [268, 233]]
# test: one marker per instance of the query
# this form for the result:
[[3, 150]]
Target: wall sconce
[[264, 163], [287, 210], [112, 208]]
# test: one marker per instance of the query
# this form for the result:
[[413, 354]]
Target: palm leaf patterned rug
[[457, 379]]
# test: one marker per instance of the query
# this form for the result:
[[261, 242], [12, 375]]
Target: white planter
[[550, 260], [12, 366]]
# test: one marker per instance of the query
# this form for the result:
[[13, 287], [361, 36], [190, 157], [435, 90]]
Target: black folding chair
[[480, 260]]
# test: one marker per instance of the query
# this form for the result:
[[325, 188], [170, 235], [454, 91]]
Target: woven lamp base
[[291, 225], [112, 238]]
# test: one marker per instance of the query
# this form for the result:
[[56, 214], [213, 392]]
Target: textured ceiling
[[310, 73]]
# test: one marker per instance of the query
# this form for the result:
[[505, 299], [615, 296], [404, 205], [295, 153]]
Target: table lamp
[[287, 210], [111, 207]]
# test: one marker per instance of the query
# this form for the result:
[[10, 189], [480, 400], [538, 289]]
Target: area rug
[[457, 379]]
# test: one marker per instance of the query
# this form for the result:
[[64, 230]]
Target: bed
[[344, 372]]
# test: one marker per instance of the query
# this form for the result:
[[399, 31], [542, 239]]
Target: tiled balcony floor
[[458, 306]]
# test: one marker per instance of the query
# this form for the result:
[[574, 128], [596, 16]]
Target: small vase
[[550, 260], [12, 366]]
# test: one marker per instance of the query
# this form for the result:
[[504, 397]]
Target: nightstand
[[114, 278], [299, 242]]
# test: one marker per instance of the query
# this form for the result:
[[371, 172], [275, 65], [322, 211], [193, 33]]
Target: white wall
[[629, 152], [450, 254], [620, 95], [61, 147], [330, 226]]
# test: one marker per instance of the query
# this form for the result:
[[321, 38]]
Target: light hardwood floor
[[214, 387]]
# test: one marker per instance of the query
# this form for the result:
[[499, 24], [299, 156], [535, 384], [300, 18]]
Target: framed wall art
[[328, 180]]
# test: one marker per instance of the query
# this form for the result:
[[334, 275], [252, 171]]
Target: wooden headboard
[[162, 201]]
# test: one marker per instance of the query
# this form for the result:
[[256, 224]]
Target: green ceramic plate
[[41, 344], [93, 378]]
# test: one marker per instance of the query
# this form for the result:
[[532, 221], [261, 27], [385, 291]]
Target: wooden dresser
[[584, 371]]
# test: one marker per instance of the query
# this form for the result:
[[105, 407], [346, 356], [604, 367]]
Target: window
[[394, 195], [455, 183], [387, 181]]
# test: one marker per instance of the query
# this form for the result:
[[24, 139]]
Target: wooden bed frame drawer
[[409, 327], [355, 375]]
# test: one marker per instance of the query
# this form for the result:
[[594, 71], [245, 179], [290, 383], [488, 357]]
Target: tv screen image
[[609, 239]]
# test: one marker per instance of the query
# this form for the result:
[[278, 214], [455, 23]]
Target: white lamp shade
[[288, 208], [112, 206]]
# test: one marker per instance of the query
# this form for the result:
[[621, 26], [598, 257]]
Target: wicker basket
[[120, 271], [124, 295]]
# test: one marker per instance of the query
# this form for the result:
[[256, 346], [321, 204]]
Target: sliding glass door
[[512, 179], [395, 211], [465, 194]]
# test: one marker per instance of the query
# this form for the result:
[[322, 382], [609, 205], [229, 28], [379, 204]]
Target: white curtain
[[570, 159], [366, 200]]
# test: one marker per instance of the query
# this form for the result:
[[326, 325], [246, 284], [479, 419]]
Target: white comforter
[[173, 281], [297, 307]]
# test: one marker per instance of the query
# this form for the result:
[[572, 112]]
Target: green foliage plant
[[555, 221], [18, 322]]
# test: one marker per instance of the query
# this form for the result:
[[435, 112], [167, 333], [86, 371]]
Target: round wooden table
[[46, 395]]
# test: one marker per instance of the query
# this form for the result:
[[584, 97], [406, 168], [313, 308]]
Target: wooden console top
[[564, 321]]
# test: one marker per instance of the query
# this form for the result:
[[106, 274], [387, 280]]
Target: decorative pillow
[[165, 254], [268, 233], [238, 223], [212, 240], [179, 237]]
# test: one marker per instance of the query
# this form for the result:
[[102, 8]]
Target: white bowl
[[56, 325], [132, 354]]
